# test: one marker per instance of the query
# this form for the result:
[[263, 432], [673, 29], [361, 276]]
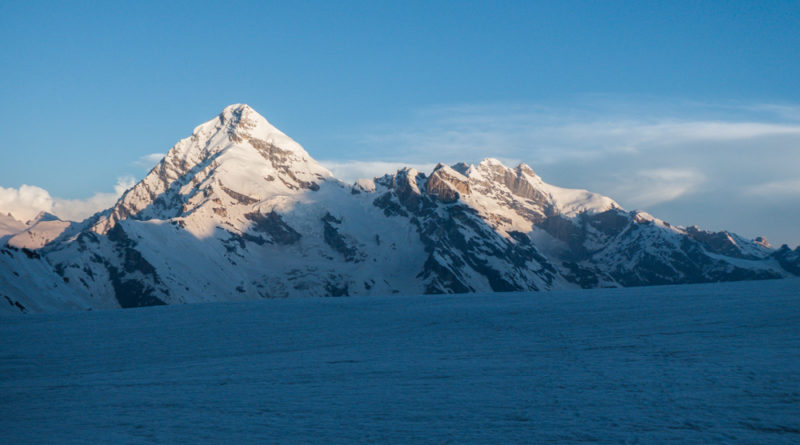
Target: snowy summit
[[238, 210]]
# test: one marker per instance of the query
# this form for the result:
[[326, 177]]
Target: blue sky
[[689, 110]]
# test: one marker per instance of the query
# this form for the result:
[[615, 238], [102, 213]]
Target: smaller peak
[[447, 170], [461, 167], [468, 170], [525, 168], [761, 241], [46, 216], [9, 218], [43, 216], [491, 162], [408, 171], [363, 185], [641, 216]]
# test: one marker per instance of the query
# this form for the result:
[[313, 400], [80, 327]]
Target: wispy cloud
[[776, 189], [149, 161], [650, 187], [782, 111], [551, 134], [675, 132], [27, 201]]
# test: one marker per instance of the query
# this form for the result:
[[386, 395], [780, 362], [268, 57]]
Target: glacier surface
[[709, 363]]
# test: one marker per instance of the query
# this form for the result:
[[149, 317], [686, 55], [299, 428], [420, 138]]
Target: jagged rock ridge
[[239, 210]]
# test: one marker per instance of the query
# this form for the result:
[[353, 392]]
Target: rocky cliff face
[[238, 210]]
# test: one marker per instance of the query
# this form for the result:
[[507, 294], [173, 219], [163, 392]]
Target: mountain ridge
[[239, 210]]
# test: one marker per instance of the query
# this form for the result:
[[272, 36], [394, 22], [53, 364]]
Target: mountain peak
[[237, 158], [761, 241], [236, 113], [43, 216], [525, 168], [239, 210], [491, 162], [244, 124], [236, 108]]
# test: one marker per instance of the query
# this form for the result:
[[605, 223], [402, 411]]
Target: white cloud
[[149, 161], [775, 189], [674, 132], [545, 135], [784, 111], [650, 187], [27, 201], [349, 171], [123, 184]]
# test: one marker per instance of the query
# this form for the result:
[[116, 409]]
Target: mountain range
[[238, 210]]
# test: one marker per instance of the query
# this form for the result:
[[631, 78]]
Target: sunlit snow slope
[[240, 211], [711, 363]]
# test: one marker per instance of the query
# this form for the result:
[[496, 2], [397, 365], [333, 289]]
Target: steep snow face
[[327, 242], [29, 283], [235, 159], [240, 211]]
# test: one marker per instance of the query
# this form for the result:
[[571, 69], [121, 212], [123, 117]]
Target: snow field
[[688, 364]]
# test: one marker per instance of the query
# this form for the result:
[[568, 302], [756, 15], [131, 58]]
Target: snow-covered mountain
[[35, 234], [239, 210], [10, 225]]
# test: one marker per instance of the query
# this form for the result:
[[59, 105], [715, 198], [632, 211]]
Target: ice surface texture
[[686, 364]]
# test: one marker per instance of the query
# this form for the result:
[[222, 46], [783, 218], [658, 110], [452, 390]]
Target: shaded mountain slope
[[239, 210]]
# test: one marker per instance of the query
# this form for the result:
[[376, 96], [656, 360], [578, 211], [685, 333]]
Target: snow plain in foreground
[[693, 363]]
